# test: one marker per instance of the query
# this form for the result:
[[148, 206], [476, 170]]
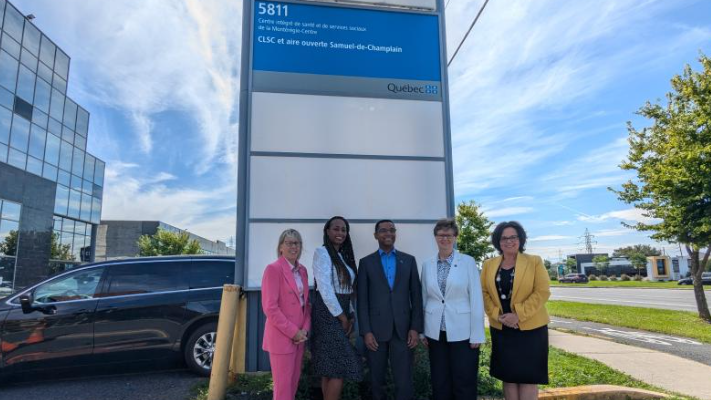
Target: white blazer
[[462, 303]]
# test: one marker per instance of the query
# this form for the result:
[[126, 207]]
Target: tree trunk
[[696, 271]]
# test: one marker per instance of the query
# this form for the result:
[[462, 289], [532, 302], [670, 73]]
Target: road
[[669, 299], [690, 349]]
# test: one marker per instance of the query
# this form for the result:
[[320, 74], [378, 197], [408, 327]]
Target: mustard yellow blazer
[[530, 292]]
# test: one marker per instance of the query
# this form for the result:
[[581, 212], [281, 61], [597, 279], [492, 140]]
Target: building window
[[661, 267], [23, 108], [9, 238], [69, 238]]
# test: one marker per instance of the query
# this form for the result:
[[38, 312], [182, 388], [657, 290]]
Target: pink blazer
[[280, 302]]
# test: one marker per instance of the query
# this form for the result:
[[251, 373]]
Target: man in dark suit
[[389, 312]]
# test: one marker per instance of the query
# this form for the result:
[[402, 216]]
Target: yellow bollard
[[239, 347], [223, 344]]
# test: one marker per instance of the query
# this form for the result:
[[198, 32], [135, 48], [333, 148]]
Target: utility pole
[[587, 241]]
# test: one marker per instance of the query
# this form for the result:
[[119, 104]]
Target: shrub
[[487, 386], [592, 277], [637, 278], [604, 278], [553, 275], [625, 277], [259, 386]]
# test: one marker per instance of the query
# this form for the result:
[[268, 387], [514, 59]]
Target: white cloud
[[629, 215], [132, 195], [612, 232], [145, 58], [519, 198], [518, 75], [597, 169], [506, 211], [562, 223], [547, 238]]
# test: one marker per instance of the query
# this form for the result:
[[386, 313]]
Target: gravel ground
[[138, 384]]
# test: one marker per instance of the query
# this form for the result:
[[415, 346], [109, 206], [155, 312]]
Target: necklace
[[503, 295]]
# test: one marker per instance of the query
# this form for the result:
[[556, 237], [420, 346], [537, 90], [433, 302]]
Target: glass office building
[[50, 186]]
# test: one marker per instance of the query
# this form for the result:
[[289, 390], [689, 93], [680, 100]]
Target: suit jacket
[[530, 292], [462, 303], [281, 305], [381, 310]]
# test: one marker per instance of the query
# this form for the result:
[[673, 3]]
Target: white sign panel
[[345, 113]]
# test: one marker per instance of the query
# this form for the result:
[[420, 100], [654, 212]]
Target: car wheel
[[201, 348]]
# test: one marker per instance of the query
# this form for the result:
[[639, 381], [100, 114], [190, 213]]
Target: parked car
[[117, 311], [574, 278], [705, 279]]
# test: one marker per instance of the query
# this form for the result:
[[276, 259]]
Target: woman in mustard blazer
[[515, 287]]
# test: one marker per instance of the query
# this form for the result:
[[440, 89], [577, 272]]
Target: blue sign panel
[[323, 40]]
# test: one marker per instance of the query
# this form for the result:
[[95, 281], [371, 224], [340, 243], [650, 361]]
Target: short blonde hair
[[290, 233]]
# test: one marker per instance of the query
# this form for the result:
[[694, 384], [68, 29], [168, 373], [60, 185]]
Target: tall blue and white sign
[[343, 111], [321, 49]]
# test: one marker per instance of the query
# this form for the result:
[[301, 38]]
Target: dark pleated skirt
[[520, 356], [332, 352]]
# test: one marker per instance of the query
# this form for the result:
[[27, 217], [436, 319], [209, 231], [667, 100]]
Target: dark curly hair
[[346, 250], [499, 231]]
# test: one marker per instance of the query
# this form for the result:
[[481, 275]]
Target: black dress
[[332, 352], [518, 356]]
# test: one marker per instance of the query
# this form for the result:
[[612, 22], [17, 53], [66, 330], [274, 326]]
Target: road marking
[[644, 336], [555, 321]]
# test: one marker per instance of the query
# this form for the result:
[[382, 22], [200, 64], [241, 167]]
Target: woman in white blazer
[[454, 317]]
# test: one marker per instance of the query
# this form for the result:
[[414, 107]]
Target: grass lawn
[[678, 323], [632, 284], [565, 370]]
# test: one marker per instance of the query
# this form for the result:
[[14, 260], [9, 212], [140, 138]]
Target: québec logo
[[407, 89]]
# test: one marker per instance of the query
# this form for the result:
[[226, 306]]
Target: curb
[[621, 287], [599, 392]]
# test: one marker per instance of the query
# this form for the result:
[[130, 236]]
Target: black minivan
[[117, 311]]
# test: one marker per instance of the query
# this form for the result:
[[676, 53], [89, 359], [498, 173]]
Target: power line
[[467, 34]]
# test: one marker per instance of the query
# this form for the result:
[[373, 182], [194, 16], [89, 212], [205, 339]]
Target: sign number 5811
[[273, 9]]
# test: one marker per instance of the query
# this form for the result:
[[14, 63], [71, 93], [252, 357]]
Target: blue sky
[[540, 94]]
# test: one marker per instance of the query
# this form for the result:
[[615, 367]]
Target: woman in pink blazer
[[285, 300]]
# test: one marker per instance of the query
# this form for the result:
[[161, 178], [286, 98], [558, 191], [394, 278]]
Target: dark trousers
[[400, 356], [454, 367]]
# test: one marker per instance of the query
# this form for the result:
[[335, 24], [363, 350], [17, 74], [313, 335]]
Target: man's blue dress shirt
[[389, 264]]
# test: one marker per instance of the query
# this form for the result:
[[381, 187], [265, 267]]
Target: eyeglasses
[[445, 237], [386, 230], [511, 238], [289, 243]]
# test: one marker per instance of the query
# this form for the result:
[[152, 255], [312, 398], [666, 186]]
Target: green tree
[[672, 160], [645, 249], [474, 231], [551, 268], [60, 251], [9, 246], [601, 263], [571, 265], [638, 260], [167, 243]]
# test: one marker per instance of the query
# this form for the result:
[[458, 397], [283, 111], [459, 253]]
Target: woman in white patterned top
[[332, 316], [454, 317]]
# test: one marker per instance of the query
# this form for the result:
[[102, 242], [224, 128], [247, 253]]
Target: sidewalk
[[659, 369]]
